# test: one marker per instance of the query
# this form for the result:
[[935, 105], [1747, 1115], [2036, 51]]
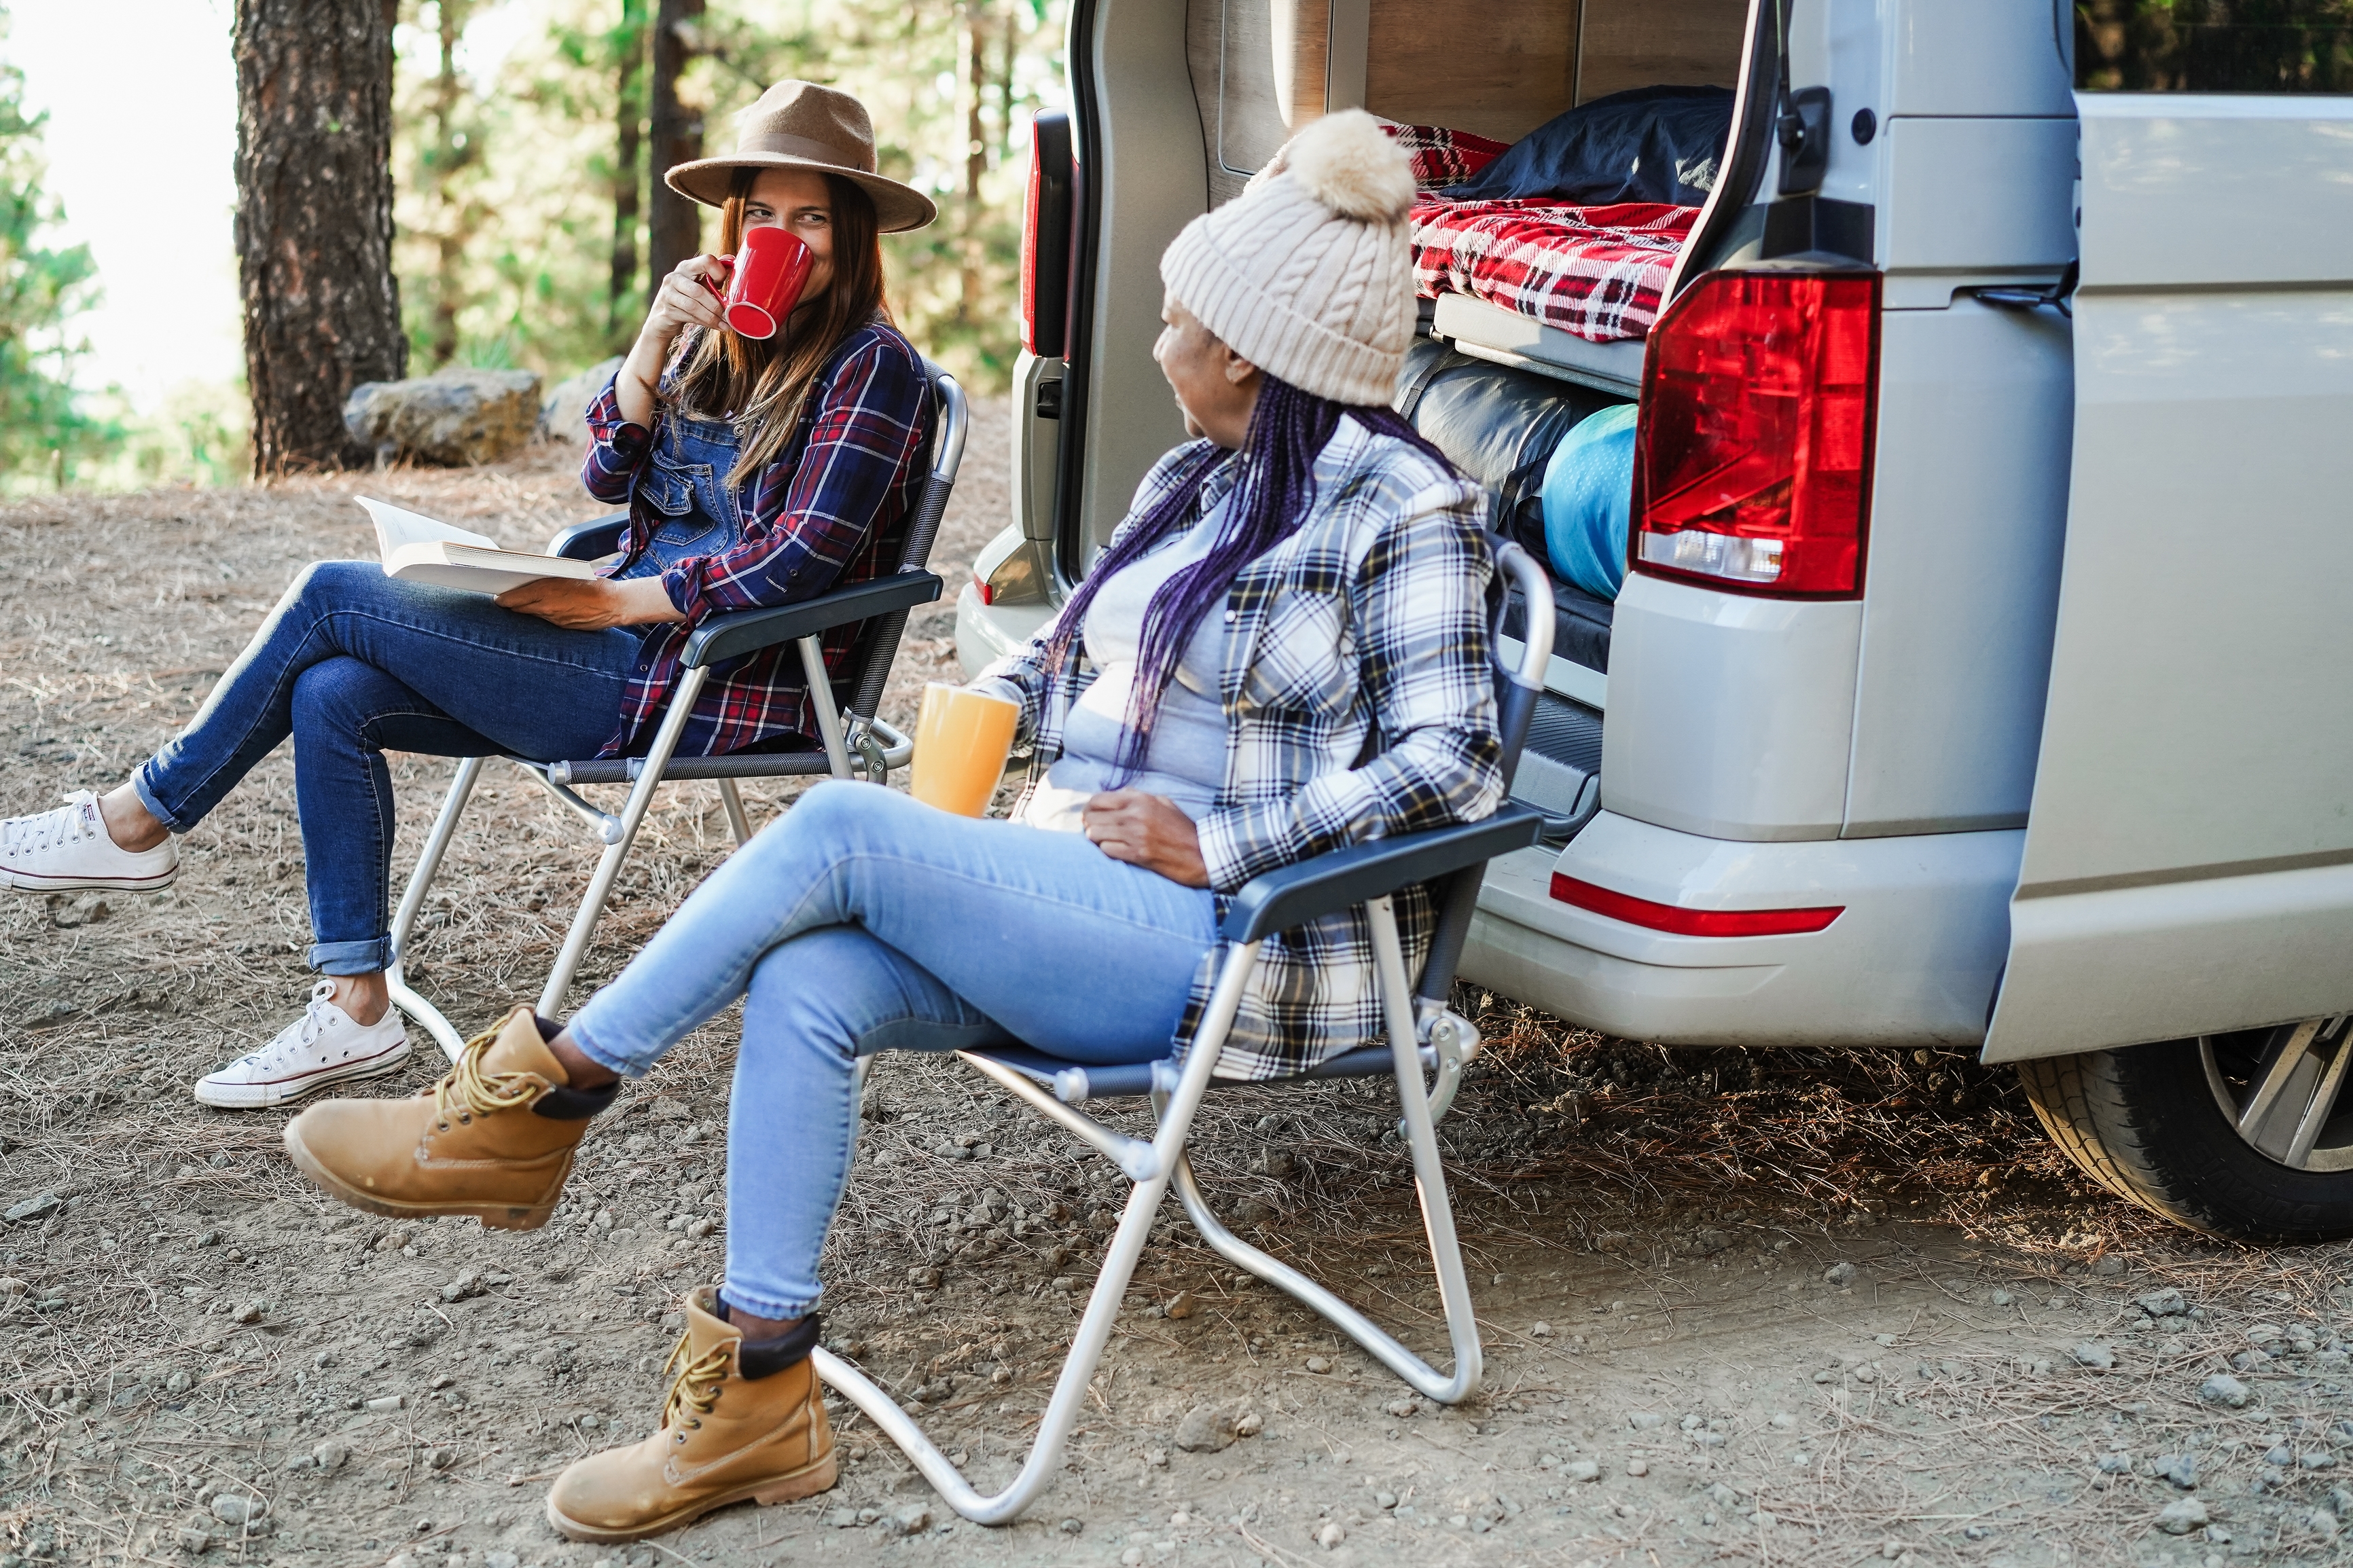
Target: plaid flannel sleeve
[[1418, 601], [616, 448], [867, 426]]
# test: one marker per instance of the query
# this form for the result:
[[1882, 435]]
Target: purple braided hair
[[1275, 490]]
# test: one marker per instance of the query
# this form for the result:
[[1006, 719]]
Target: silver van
[[1970, 680]]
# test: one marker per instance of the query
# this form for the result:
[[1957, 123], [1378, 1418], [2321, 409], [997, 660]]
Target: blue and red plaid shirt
[[828, 513]]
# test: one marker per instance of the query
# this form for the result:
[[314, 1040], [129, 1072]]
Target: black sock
[[568, 1104], [765, 1358]]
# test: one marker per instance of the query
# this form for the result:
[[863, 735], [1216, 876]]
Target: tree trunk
[[976, 154], [314, 221], [674, 231], [442, 165], [629, 50]]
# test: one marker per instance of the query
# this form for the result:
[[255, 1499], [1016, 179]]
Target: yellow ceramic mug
[[962, 739]]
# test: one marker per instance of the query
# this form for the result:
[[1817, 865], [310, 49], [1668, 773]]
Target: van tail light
[[1752, 462], [988, 594], [1680, 921], [1045, 236]]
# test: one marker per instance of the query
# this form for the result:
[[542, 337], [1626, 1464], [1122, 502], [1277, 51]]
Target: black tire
[[2145, 1123]]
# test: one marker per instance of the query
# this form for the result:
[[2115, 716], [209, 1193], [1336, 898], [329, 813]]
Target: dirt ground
[[1767, 1307]]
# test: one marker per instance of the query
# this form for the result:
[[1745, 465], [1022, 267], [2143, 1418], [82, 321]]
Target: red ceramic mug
[[768, 270]]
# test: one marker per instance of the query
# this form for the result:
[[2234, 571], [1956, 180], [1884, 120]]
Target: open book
[[417, 549]]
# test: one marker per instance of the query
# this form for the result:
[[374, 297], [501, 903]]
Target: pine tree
[[44, 430]]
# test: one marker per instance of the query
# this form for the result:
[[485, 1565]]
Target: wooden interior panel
[[1258, 67], [1644, 43], [1302, 29], [1500, 69]]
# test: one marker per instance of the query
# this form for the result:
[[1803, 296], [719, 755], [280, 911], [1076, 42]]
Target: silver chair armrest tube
[[1534, 585]]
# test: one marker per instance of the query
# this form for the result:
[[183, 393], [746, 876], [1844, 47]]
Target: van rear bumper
[[1914, 960]]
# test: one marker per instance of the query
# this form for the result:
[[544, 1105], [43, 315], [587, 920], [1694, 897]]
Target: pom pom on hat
[[1307, 274], [1346, 161]]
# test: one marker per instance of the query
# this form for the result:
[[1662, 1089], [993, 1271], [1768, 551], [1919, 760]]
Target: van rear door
[[2188, 859]]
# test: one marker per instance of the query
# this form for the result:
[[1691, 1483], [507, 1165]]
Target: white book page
[[396, 527]]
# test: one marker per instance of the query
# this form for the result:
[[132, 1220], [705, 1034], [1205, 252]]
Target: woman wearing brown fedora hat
[[756, 472]]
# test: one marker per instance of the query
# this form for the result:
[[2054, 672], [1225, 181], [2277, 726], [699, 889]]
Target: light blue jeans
[[863, 922]]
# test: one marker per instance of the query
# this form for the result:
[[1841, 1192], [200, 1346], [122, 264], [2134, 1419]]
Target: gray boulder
[[455, 418], [564, 412]]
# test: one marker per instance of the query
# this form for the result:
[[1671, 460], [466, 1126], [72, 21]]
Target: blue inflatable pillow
[[1589, 501]]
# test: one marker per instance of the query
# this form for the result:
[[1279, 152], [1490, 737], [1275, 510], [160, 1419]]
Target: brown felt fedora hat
[[801, 126]]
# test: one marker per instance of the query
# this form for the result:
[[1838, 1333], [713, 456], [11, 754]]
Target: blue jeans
[[352, 664], [863, 921]]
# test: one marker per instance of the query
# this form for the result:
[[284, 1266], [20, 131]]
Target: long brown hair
[[760, 384]]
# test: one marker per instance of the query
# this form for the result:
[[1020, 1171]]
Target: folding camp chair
[[1422, 1037], [857, 744]]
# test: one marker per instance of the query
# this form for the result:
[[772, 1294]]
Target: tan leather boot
[[493, 1139], [723, 1438]]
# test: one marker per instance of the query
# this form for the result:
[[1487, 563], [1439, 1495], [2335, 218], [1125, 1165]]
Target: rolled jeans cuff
[[367, 957], [155, 807]]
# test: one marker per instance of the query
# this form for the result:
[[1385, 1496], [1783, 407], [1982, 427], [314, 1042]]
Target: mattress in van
[[1597, 273]]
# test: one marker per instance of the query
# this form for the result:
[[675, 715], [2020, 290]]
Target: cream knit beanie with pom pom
[[1306, 273]]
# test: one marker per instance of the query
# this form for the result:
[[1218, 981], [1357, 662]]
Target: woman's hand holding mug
[[692, 296]]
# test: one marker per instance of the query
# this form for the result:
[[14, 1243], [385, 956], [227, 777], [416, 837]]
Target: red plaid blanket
[[1598, 272], [1441, 157]]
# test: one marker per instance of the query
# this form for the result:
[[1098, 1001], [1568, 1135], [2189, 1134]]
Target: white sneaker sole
[[33, 882], [285, 1091]]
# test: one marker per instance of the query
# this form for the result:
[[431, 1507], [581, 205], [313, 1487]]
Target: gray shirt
[[1185, 757]]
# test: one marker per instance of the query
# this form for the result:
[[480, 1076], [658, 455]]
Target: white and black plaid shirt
[[1369, 621]]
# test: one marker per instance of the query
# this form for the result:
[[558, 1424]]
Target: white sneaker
[[68, 849], [322, 1047]]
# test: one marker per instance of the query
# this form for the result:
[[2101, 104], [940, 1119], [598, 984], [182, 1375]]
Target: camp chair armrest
[[587, 540], [1342, 878], [746, 631]]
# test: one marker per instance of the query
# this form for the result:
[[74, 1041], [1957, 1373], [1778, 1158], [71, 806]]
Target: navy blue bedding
[[1645, 145]]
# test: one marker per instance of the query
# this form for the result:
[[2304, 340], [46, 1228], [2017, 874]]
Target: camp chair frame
[[856, 744], [1422, 1037]]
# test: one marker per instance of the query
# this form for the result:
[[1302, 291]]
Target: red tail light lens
[[1752, 461], [1681, 921], [1045, 236]]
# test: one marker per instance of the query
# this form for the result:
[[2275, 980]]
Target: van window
[[2214, 46]]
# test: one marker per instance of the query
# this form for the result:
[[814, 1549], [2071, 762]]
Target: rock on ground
[[564, 412], [1206, 1429], [458, 418]]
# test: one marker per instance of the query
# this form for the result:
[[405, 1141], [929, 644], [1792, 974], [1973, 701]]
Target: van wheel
[[2247, 1135]]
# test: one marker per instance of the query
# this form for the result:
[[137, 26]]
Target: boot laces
[[465, 1091], [695, 1389]]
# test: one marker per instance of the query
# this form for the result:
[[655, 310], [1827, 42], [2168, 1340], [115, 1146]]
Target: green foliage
[[531, 204], [47, 434], [2214, 46]]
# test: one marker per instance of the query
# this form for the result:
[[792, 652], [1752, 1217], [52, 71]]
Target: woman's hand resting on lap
[[593, 606], [1147, 830]]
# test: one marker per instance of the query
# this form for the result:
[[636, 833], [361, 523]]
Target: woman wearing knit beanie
[[1283, 651]]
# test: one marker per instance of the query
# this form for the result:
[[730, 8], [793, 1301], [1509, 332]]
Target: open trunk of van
[[1496, 388]]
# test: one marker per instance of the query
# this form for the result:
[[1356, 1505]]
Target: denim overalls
[[684, 487]]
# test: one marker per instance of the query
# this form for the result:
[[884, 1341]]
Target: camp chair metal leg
[[737, 823], [429, 862], [1438, 1217], [608, 865], [602, 823], [1429, 1169], [829, 718], [1102, 1304]]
